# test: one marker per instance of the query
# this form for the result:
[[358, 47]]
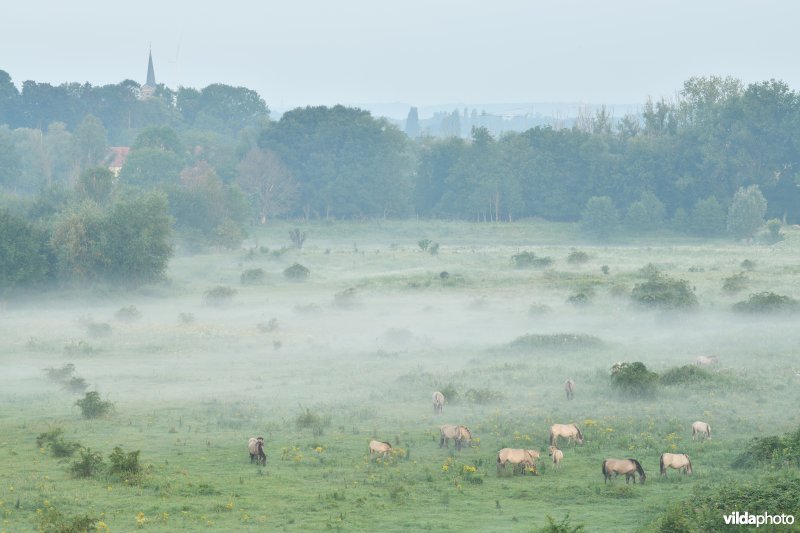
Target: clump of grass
[[252, 276], [561, 341], [66, 378], [98, 329], [219, 295], [297, 272], [54, 440], [80, 348], [483, 396], [89, 464], [767, 302], [346, 299], [124, 464], [748, 264], [93, 407], [128, 314], [310, 419], [51, 519]]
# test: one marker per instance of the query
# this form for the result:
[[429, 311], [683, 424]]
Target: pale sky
[[418, 52]]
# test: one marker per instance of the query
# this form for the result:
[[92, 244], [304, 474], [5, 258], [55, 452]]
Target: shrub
[[483, 396], [60, 375], [296, 272], [92, 406], [88, 465], [433, 249], [735, 283], [51, 519], [661, 291], [529, 259], [577, 257], [774, 450], [767, 302], [565, 526], [748, 264], [98, 329], [252, 276], [128, 314], [80, 348], [64, 448], [346, 299], [634, 380], [423, 244], [297, 237], [219, 295], [685, 374], [774, 231], [124, 464], [48, 437], [450, 393], [268, 327]]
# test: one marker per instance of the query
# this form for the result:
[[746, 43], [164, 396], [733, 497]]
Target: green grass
[[188, 395]]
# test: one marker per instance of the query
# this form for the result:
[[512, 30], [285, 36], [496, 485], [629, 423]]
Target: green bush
[[296, 272], [60, 375], [634, 380], [482, 396], [565, 526], [219, 295], [662, 292], [92, 406], [346, 299], [98, 329], [686, 374], [450, 393], [529, 259], [124, 465], [51, 519], [576, 257], [773, 450], [735, 283], [90, 464], [128, 314], [561, 341], [252, 276], [767, 302], [54, 440]]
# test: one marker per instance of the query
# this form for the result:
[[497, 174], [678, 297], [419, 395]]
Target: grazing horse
[[377, 447], [517, 457], [569, 388], [568, 431], [706, 360], [701, 428], [629, 467], [557, 456], [679, 461], [438, 402], [460, 434], [256, 448]]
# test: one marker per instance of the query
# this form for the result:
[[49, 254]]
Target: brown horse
[[459, 434], [438, 402], [701, 428], [517, 457], [569, 388], [629, 467], [678, 461], [557, 456], [567, 431], [256, 448], [377, 447], [706, 360]]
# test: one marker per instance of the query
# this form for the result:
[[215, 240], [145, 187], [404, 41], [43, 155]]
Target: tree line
[[719, 159]]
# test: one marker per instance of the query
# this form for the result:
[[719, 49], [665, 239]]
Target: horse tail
[[603, 468], [552, 443], [661, 464], [708, 428]]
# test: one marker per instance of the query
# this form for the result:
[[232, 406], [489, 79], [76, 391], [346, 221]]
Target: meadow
[[321, 366]]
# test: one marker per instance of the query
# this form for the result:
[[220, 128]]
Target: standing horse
[[256, 449], [679, 461], [517, 457], [377, 447], [438, 402], [569, 388], [629, 467], [459, 434], [701, 428], [568, 431], [706, 360], [557, 456]]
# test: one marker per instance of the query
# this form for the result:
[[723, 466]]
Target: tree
[[91, 142], [746, 213], [9, 100], [160, 138], [600, 217], [9, 160], [149, 167], [268, 183], [707, 218], [412, 123], [645, 214], [224, 108], [96, 184], [23, 253]]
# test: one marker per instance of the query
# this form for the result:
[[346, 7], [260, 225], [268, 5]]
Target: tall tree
[[412, 123], [269, 184]]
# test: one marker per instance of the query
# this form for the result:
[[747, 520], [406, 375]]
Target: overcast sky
[[420, 52]]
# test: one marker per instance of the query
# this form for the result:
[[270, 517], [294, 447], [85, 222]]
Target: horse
[[629, 467], [679, 461], [569, 388], [256, 448], [557, 456], [379, 448], [568, 431], [459, 434], [701, 428], [517, 457], [438, 402], [706, 360]]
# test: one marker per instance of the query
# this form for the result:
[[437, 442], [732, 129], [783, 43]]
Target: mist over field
[[357, 349]]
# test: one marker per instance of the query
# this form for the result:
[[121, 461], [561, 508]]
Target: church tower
[[149, 88]]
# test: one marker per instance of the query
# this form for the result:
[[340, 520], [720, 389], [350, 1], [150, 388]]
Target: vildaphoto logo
[[747, 519]]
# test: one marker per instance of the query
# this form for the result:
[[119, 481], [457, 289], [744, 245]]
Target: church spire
[[151, 73]]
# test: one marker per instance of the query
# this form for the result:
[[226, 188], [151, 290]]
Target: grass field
[[354, 352]]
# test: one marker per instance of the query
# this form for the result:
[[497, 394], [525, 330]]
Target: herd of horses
[[525, 460]]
